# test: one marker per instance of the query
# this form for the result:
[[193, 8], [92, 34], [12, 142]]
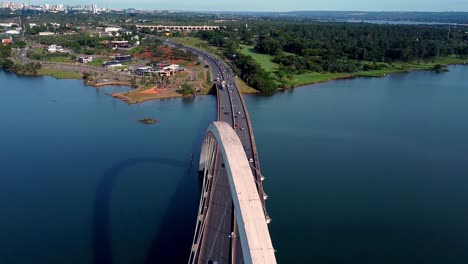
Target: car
[[238, 113], [236, 125], [242, 128], [251, 160]]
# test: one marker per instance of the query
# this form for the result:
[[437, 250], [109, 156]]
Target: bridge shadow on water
[[171, 244]]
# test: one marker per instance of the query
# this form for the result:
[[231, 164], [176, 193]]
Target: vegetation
[[265, 60], [60, 74], [44, 55], [273, 53], [26, 69], [148, 121], [186, 89], [440, 68], [5, 52]]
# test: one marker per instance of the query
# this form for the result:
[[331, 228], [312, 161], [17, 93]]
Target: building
[[12, 32], [6, 41], [9, 25], [111, 64], [86, 59], [55, 48], [143, 70], [105, 34], [172, 67], [123, 58], [112, 29], [46, 33], [119, 44]]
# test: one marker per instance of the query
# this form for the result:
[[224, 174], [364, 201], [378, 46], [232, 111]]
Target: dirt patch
[[154, 90]]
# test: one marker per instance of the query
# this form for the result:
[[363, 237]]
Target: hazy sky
[[275, 5]]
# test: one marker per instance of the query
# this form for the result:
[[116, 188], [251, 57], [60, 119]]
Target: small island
[[148, 121]]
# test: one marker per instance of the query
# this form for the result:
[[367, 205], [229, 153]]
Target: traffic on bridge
[[217, 238]]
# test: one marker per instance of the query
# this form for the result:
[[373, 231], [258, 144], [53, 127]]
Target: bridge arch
[[222, 141]]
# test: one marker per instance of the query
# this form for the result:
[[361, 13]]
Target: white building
[[172, 67], [85, 59], [13, 32], [112, 29], [107, 34], [55, 48], [46, 33]]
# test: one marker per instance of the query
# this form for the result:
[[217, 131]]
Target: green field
[[315, 77], [264, 59], [59, 74], [96, 62], [59, 59], [198, 43]]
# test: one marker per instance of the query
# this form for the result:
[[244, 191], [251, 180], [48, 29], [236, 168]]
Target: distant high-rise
[[94, 9]]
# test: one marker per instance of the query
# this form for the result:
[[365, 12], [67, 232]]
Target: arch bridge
[[232, 220], [230, 228]]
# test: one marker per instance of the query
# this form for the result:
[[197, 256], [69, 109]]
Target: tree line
[[300, 47]]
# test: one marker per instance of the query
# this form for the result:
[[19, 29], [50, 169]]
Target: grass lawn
[[264, 59], [315, 77], [59, 74], [96, 62], [244, 88], [201, 75], [182, 75], [60, 59], [198, 43]]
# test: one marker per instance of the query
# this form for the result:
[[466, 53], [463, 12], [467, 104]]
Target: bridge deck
[[220, 241]]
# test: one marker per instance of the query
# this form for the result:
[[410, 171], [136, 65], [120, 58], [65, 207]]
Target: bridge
[[178, 28], [232, 222]]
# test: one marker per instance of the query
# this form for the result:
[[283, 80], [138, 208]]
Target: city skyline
[[265, 5]]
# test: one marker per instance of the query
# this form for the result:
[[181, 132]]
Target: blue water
[[81, 181], [396, 22], [358, 171], [368, 170]]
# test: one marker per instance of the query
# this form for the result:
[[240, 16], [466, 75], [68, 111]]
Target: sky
[[275, 5]]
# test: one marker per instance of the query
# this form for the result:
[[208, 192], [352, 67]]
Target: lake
[[357, 171], [368, 170]]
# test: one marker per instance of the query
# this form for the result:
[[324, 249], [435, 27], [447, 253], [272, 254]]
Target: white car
[[251, 160]]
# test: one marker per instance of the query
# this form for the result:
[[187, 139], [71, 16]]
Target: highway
[[232, 108], [219, 239]]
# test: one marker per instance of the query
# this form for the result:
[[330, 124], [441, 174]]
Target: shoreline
[[355, 76], [130, 100]]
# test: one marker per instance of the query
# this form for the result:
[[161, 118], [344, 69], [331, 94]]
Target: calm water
[[81, 181], [358, 171], [396, 22], [368, 170]]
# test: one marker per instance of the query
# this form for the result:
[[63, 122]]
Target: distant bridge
[[232, 222], [179, 28]]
